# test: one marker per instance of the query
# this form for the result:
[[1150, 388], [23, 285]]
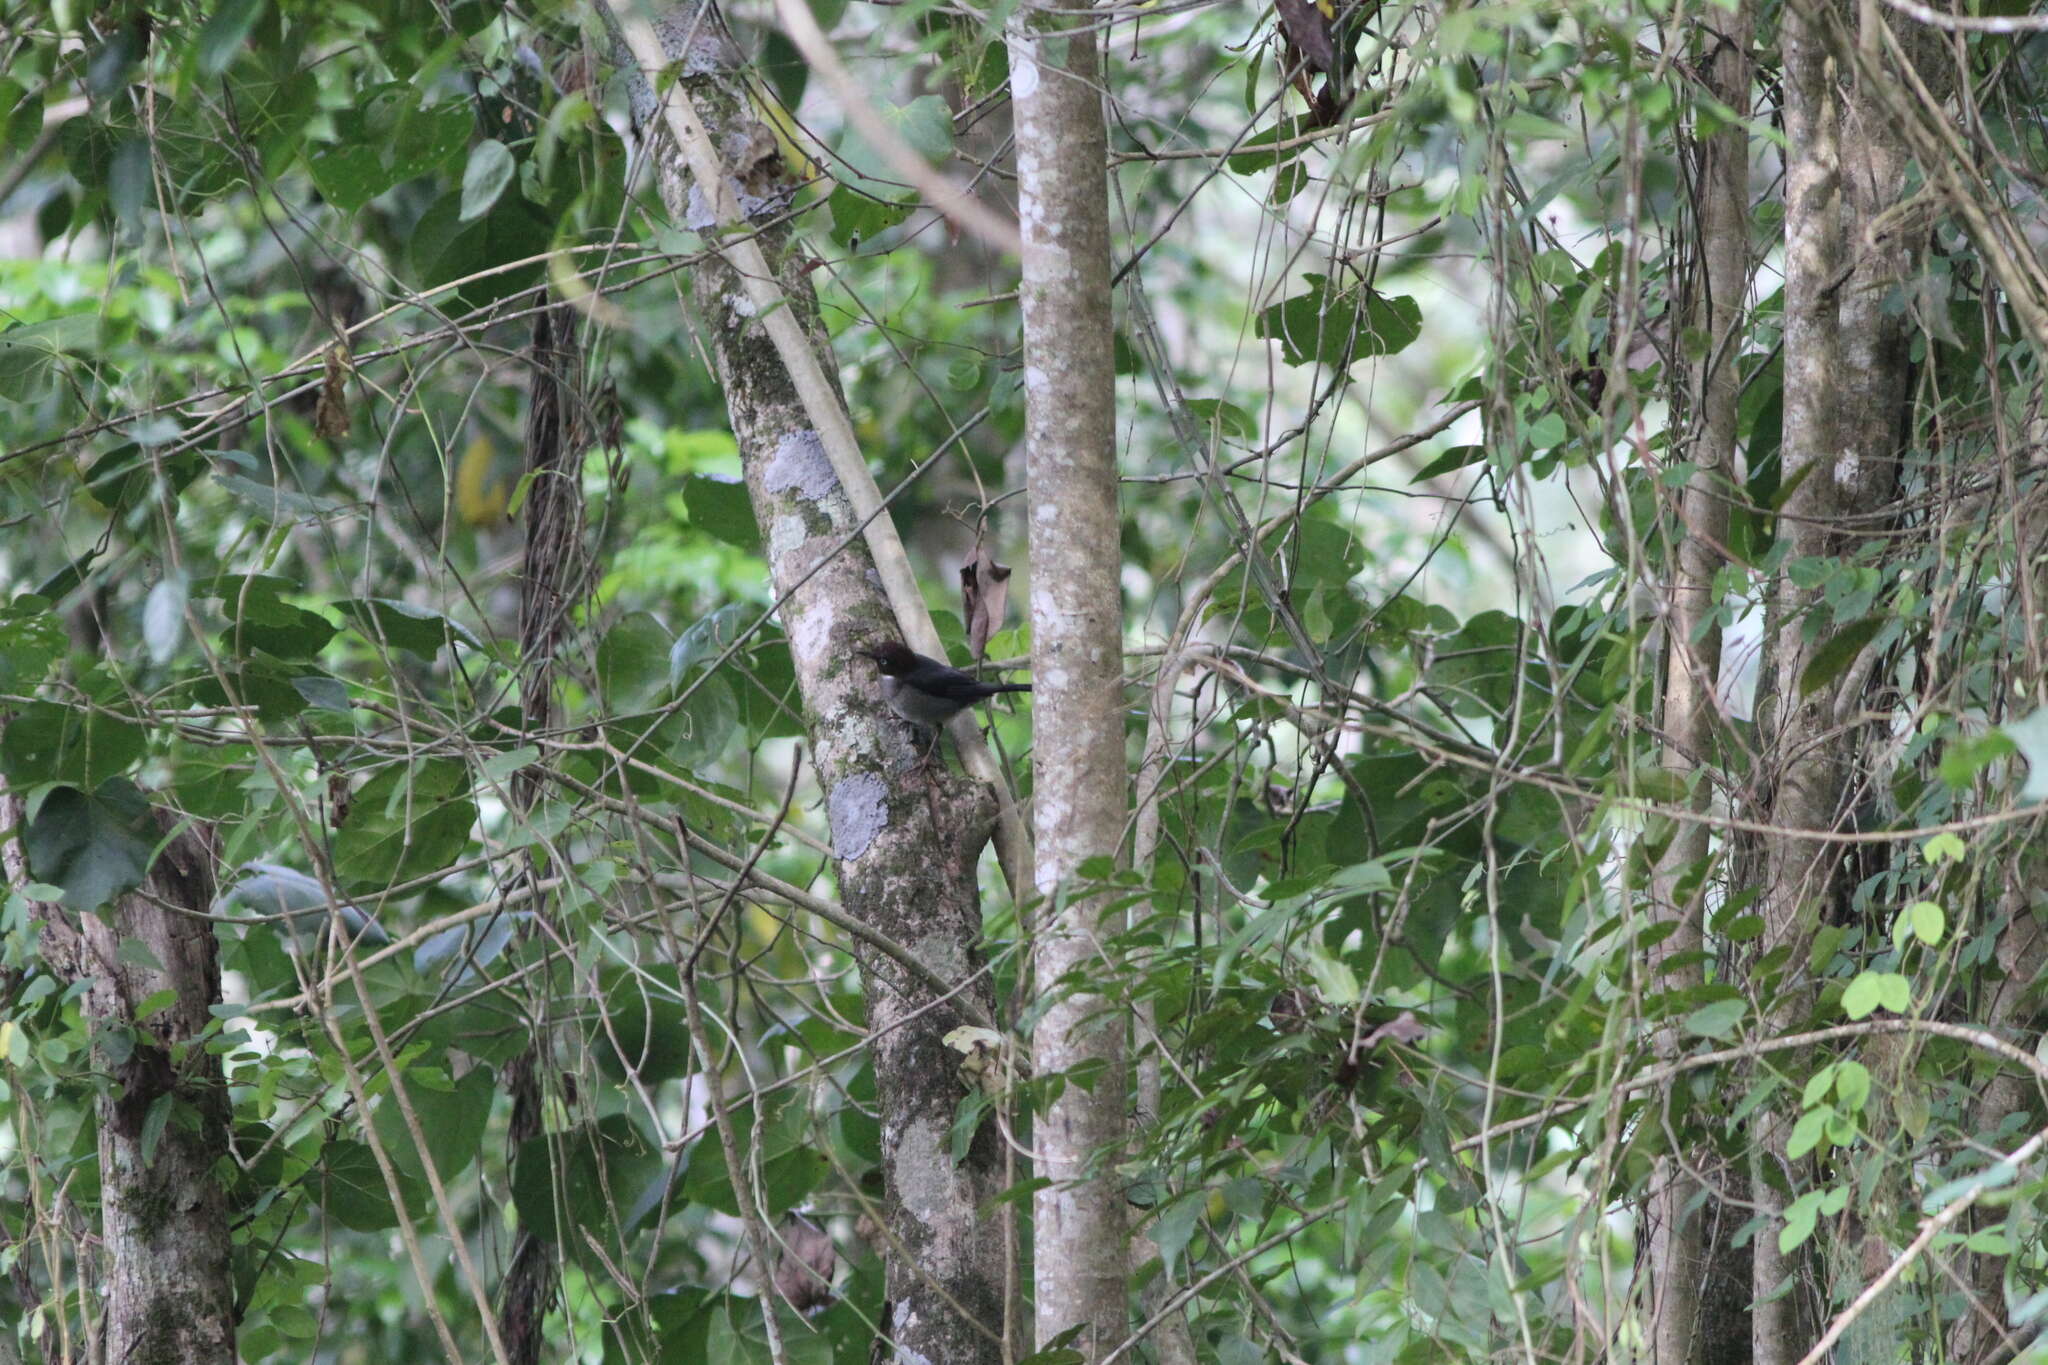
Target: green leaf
[[1989, 1242], [82, 746], [1996, 1176], [445, 247], [859, 216], [130, 183], [1717, 1020], [1456, 458], [350, 1186], [278, 504], [1809, 1131], [1852, 1085], [31, 353], [1871, 991], [163, 617], [153, 1123], [417, 630], [405, 823], [1175, 1227], [96, 846], [633, 662], [1944, 846], [1818, 1087], [1335, 326], [923, 122], [1838, 652], [1894, 992], [593, 1177], [722, 509], [490, 169], [1258, 152], [31, 639], [451, 1119], [1226, 418], [225, 32], [1928, 922]]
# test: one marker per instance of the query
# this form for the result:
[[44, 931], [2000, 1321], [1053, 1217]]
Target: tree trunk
[[557, 430], [1079, 779], [169, 1295], [1847, 389], [1676, 1253], [905, 854]]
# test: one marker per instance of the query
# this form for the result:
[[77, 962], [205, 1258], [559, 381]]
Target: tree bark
[[1677, 1254], [557, 430], [1847, 389], [169, 1294], [1080, 781], [905, 853]]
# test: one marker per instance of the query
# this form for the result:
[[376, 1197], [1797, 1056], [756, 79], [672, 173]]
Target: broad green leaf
[[94, 846], [163, 617], [723, 510], [1336, 326], [1260, 152], [406, 822], [633, 662], [225, 32], [31, 353], [591, 1176], [859, 216], [1809, 1131], [1456, 458], [924, 123], [350, 1186], [1226, 418], [489, 171], [82, 745], [31, 639], [1852, 1086], [402, 625], [1944, 847], [1717, 1020], [452, 1118]]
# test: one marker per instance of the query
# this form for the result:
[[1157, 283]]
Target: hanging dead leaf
[[330, 415], [984, 597]]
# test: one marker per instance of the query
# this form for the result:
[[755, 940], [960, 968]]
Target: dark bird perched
[[926, 692]]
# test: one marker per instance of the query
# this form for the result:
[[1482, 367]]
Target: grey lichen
[[859, 810], [800, 463]]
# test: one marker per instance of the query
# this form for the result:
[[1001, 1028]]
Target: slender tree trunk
[[1079, 776], [905, 854], [1847, 386], [168, 1292], [556, 436], [1677, 1252]]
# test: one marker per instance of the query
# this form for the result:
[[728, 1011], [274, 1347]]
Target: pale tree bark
[[1677, 1255], [1847, 386], [905, 854], [168, 1290], [1078, 767]]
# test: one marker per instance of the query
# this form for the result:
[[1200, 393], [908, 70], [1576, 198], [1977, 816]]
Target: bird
[[926, 692]]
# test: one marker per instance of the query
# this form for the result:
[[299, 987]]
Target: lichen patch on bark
[[859, 810]]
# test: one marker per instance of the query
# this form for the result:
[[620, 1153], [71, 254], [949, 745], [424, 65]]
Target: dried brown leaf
[[984, 597]]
